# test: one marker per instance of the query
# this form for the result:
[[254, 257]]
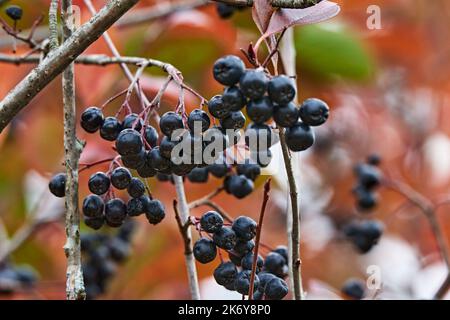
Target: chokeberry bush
[[221, 135]]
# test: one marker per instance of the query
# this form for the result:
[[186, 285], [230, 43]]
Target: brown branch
[[429, 210], [56, 62], [182, 211], [258, 237], [72, 150], [295, 262], [290, 4], [206, 201]]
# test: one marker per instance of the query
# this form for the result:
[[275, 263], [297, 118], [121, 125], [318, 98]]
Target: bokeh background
[[389, 93]]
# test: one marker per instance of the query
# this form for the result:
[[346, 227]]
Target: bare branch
[[183, 210], [53, 25], [59, 59], [72, 150]]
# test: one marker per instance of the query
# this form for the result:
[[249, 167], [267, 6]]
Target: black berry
[[99, 183], [354, 289], [94, 223], [92, 119], [136, 188], [276, 289], [57, 185], [151, 136], [115, 212], [242, 282], [217, 108], [240, 186], [110, 129], [245, 228], [198, 175], [14, 12], [233, 99], [299, 137], [204, 250], [236, 120], [132, 121], [228, 70], [260, 111], [225, 238], [155, 211], [121, 178], [169, 122], [254, 84], [247, 262], [201, 117], [286, 115], [129, 142], [281, 89], [211, 222], [314, 112], [225, 273], [93, 206]]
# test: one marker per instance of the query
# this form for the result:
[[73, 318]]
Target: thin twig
[[258, 237], [183, 210], [53, 25]]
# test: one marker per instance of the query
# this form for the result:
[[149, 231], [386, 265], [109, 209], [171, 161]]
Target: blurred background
[[389, 94]]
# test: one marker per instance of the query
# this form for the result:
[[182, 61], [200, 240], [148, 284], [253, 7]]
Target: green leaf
[[331, 50]]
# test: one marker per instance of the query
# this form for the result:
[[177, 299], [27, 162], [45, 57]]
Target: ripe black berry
[[233, 99], [314, 112], [217, 108], [247, 262], [225, 273], [166, 146], [368, 176], [276, 289], [169, 122], [365, 199], [245, 228], [137, 206], [156, 160], [110, 129], [155, 211], [283, 250], [146, 170], [133, 120], [121, 178], [354, 289], [204, 250], [151, 136], [275, 263], [218, 170], [259, 137], [235, 258], [94, 223], [299, 137], [242, 282], [264, 278], [286, 115], [14, 12], [240, 186], [115, 212], [374, 159], [249, 170], [261, 110], [134, 161], [281, 89], [136, 188], [93, 206], [99, 183], [225, 238], [57, 185], [129, 142], [364, 235], [92, 119], [236, 120], [211, 222], [201, 117], [198, 175], [254, 84], [242, 247], [119, 250], [228, 70]]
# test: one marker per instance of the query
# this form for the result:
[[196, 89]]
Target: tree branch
[[258, 237], [53, 25], [290, 4], [188, 254], [59, 59], [72, 150]]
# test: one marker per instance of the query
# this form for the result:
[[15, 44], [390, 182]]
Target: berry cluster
[[265, 97], [13, 278], [369, 178], [237, 240], [226, 11], [101, 254], [364, 234]]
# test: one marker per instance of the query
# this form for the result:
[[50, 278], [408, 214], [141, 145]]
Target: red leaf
[[262, 11], [285, 18]]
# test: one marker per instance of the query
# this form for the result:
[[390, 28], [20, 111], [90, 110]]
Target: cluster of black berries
[[369, 178], [101, 255], [14, 12], [364, 234], [265, 98], [226, 11], [354, 289], [13, 278], [99, 208], [237, 240]]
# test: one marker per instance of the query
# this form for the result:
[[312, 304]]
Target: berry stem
[[90, 165], [258, 237], [181, 209]]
